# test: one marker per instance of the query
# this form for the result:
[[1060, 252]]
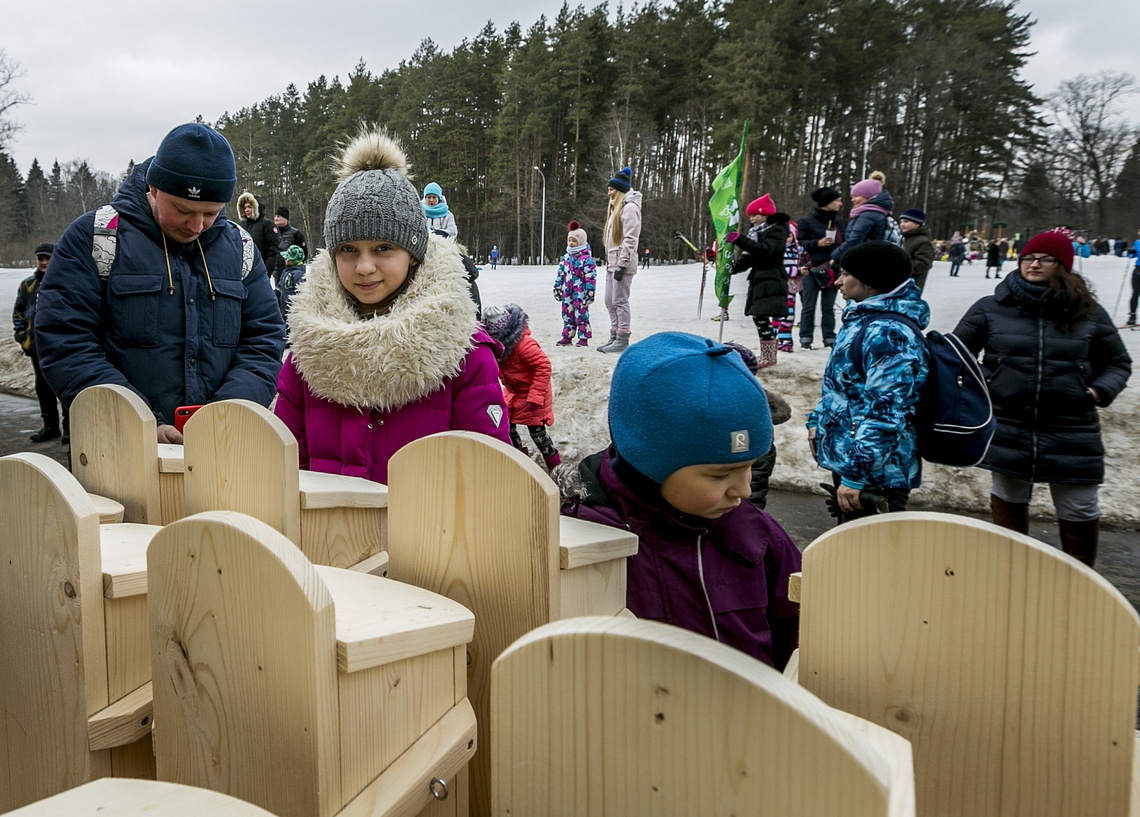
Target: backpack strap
[[856, 355], [105, 240], [247, 249]]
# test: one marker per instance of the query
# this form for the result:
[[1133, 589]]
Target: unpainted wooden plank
[[319, 490], [243, 644], [584, 543], [342, 537], [124, 721], [114, 449], [138, 798], [1009, 666], [443, 752], [609, 715], [380, 620], [123, 549], [385, 710], [473, 519], [53, 666], [593, 589], [110, 512], [240, 457]]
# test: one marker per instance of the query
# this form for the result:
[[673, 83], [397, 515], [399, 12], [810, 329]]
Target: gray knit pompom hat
[[375, 200]]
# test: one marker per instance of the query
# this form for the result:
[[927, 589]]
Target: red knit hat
[[763, 206], [1055, 243]]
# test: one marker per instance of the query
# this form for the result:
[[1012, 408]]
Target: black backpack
[[955, 418]]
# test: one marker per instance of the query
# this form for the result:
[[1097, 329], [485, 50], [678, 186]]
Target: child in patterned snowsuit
[[574, 286], [792, 270]]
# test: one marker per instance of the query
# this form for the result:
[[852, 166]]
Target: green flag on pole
[[724, 206]]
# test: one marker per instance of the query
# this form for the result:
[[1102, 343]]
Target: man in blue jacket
[[863, 428], [183, 313]]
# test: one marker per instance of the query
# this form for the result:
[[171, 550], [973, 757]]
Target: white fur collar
[[391, 360]]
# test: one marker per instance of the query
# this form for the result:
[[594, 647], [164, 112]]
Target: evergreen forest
[[522, 127]]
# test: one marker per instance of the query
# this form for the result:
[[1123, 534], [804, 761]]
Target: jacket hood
[[633, 197], [883, 199], [130, 202], [905, 299], [392, 359], [252, 199]]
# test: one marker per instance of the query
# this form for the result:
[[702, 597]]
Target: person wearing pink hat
[[1052, 357], [871, 206], [763, 258]]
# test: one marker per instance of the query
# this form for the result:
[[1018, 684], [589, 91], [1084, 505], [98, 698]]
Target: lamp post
[[542, 240], [867, 149]]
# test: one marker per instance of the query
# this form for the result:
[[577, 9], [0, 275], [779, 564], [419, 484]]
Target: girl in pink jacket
[[385, 345]]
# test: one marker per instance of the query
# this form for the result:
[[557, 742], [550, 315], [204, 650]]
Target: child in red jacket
[[524, 370]]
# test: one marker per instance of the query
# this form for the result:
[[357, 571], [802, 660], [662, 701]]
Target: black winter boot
[[1079, 539], [1010, 515], [44, 434]]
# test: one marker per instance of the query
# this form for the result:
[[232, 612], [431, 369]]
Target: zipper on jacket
[[701, 576], [1037, 393]]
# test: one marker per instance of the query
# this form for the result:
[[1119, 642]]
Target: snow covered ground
[[664, 298]]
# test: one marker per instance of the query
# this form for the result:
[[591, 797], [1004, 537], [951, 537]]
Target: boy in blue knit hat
[[688, 420]]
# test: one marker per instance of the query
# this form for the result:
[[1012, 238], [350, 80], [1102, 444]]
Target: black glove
[[619, 273], [872, 503], [832, 499], [677, 236], [823, 275]]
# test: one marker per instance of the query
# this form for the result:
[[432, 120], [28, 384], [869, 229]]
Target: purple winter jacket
[[725, 578], [358, 442]]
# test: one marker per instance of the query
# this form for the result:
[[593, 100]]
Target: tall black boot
[[1079, 539], [1010, 515]]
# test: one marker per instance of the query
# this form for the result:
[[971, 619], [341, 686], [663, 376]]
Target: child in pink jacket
[[385, 345]]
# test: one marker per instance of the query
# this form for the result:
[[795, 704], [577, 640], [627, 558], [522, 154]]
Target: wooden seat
[[1010, 667], [475, 520], [114, 452], [240, 457], [306, 690], [138, 798], [610, 715], [110, 512], [74, 663]]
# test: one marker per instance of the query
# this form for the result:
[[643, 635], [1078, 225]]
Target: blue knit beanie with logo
[[194, 162], [678, 400]]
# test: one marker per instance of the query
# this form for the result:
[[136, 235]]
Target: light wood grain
[[584, 543], [138, 798], [337, 491], [593, 589], [171, 459], [243, 648], [614, 716], [343, 537], [124, 721], [375, 565], [123, 547], [1009, 666], [128, 656], [443, 751], [114, 450], [473, 519], [53, 666], [380, 621], [241, 457], [110, 512]]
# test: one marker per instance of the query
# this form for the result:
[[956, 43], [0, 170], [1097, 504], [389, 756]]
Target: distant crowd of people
[[381, 338]]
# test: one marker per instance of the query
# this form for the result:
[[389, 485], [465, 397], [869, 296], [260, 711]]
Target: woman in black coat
[[1052, 357], [763, 258]]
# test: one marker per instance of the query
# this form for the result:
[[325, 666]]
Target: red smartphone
[[182, 414]]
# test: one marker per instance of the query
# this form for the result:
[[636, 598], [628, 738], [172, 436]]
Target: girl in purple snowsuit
[[574, 286]]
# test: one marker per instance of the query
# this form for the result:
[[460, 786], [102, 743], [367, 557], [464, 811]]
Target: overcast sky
[[108, 82]]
